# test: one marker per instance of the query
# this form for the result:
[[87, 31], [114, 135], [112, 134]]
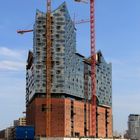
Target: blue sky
[[117, 36]]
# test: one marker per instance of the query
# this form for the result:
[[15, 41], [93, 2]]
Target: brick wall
[[104, 125], [68, 118], [101, 127]]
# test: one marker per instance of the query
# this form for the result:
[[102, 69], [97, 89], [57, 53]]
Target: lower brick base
[[68, 118]]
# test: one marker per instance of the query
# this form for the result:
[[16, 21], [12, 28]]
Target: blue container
[[24, 133]]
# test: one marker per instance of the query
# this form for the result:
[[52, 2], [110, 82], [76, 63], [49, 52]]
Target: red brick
[[61, 118]]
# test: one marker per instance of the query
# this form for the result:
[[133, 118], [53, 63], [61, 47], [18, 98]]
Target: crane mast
[[48, 69], [49, 66], [93, 108], [93, 68]]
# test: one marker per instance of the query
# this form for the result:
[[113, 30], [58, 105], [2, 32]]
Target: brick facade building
[[71, 82]]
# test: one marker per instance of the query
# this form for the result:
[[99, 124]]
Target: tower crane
[[93, 67], [49, 66], [48, 69], [75, 22]]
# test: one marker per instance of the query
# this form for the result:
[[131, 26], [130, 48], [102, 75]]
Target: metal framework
[[24, 31], [75, 22], [48, 69], [93, 68], [92, 115]]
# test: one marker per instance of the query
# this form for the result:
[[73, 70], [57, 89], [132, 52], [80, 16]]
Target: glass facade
[[70, 72]]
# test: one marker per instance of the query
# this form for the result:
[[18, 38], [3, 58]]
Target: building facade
[[103, 80], [20, 122], [134, 126], [65, 76], [71, 82], [6, 134]]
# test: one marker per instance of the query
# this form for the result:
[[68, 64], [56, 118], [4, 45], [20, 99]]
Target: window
[[58, 49], [58, 27], [57, 62], [43, 107], [58, 72], [57, 36]]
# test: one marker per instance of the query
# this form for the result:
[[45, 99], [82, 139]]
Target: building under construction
[[70, 82]]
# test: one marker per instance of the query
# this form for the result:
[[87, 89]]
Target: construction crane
[[75, 22], [49, 66], [48, 69], [93, 68]]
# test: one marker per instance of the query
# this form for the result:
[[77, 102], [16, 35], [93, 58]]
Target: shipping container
[[24, 133]]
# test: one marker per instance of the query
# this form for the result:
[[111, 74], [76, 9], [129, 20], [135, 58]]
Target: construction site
[[67, 94]]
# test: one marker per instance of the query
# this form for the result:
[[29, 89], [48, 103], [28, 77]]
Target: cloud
[[12, 84], [11, 65], [11, 59], [9, 52]]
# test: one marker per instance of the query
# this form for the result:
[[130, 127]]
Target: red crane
[[48, 67], [93, 69], [75, 22], [93, 59]]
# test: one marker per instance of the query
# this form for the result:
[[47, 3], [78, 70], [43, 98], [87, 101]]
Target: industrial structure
[[67, 95], [134, 126]]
